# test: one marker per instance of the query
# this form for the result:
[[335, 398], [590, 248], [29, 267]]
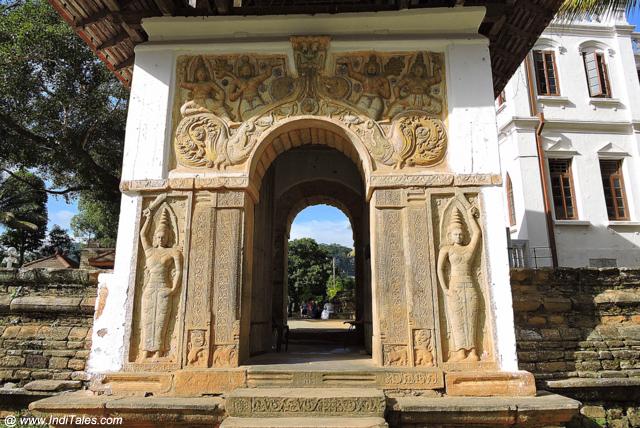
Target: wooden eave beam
[[224, 6], [126, 63], [113, 41], [94, 17], [166, 7], [131, 18]]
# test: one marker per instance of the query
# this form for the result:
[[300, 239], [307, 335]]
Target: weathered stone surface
[[53, 385], [202, 382], [136, 383], [277, 402], [543, 410], [387, 378], [136, 411], [592, 383], [45, 304], [325, 422], [487, 384]]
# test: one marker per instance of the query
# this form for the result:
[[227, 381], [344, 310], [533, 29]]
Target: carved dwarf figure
[[206, 96], [163, 273], [11, 258], [462, 296], [196, 348], [413, 91]]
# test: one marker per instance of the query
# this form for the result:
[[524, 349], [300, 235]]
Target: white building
[[575, 101]]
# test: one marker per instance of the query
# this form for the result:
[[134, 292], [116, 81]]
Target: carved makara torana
[[394, 102], [163, 264]]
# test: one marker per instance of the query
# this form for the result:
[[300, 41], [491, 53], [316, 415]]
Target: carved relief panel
[[430, 279], [159, 284], [394, 102], [462, 289]]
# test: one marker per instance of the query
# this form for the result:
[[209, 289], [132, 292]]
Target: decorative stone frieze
[[394, 103]]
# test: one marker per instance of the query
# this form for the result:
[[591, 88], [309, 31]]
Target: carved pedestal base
[[490, 384]]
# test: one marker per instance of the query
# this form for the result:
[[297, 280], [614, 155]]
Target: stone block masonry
[[578, 332], [45, 328]]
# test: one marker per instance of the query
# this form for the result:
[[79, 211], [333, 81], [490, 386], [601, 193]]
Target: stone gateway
[[237, 125]]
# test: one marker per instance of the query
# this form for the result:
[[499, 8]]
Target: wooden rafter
[[113, 41], [512, 26]]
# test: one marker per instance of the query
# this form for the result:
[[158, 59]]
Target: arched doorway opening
[[321, 282], [314, 166]]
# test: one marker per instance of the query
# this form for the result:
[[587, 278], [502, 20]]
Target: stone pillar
[[231, 260], [391, 324]]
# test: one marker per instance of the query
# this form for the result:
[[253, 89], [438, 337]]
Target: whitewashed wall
[[473, 144]]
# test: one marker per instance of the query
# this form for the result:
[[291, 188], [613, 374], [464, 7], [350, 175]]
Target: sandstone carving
[[231, 100], [395, 355], [197, 349], [224, 356], [163, 273], [462, 296], [423, 348], [417, 88], [205, 94]]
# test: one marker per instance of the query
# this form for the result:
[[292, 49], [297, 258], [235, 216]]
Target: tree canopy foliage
[[571, 9], [62, 113], [23, 195], [58, 240], [310, 269]]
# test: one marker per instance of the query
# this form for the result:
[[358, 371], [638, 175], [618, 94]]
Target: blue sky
[[60, 212], [321, 222]]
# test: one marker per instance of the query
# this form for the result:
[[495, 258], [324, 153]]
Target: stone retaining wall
[[45, 325], [578, 332]]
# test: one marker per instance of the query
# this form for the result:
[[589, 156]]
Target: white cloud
[[324, 231], [62, 218]]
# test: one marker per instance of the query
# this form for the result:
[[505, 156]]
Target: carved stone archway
[[283, 171]]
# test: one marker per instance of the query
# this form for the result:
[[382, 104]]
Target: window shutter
[[593, 76]]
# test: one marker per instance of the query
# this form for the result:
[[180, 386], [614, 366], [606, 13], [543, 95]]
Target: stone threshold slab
[[383, 378], [328, 422], [545, 409]]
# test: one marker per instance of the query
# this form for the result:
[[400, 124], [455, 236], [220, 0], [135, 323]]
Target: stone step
[[297, 402], [302, 422]]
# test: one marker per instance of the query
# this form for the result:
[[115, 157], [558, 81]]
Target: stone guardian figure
[[463, 304], [163, 273]]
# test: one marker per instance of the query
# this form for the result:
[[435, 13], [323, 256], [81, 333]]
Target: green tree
[[25, 194], [341, 283], [57, 240], [576, 8], [95, 222], [343, 258], [62, 113], [309, 268]]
